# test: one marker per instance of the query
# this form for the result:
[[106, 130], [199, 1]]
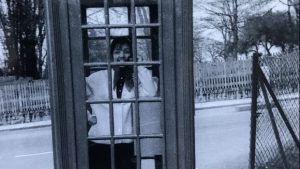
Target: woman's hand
[[147, 86], [92, 119]]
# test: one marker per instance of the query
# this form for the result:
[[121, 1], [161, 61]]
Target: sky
[[197, 14], [211, 35]]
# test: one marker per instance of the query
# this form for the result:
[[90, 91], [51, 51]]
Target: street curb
[[244, 107], [22, 126], [219, 104], [242, 104]]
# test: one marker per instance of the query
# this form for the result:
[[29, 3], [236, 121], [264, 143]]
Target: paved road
[[222, 142], [222, 138], [26, 149]]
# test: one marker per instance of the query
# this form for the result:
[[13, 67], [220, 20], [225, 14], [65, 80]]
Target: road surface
[[222, 138], [26, 149], [222, 142]]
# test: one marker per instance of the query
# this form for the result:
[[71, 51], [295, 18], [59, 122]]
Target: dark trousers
[[100, 156]]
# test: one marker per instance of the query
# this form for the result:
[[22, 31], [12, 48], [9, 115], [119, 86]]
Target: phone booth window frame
[[67, 78]]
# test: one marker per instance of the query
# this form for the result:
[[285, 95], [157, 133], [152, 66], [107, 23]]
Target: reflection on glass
[[146, 14], [143, 32], [119, 32], [142, 15], [147, 44], [118, 15], [95, 16], [97, 50], [96, 33], [144, 50]]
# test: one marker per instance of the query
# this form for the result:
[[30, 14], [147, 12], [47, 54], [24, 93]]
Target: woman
[[98, 115]]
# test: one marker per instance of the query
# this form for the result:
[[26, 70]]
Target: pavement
[[222, 136], [223, 103], [30, 125], [241, 104], [207, 115], [230, 127], [26, 148]]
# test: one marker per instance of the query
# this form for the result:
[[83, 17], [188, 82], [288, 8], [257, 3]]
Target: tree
[[197, 44], [227, 17], [215, 51], [294, 26], [223, 16], [23, 27], [295, 4], [267, 30]]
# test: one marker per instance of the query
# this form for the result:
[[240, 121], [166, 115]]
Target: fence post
[[255, 65]]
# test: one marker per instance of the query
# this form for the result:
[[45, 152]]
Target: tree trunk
[[21, 22], [235, 29], [30, 59]]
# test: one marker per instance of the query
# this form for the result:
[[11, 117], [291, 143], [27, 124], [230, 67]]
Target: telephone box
[[121, 74]]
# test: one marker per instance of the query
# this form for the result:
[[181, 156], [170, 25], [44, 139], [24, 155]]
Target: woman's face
[[121, 53]]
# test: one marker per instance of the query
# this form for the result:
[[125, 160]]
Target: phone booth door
[[122, 68], [121, 83]]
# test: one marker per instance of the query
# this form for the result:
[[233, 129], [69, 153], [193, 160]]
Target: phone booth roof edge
[[117, 3]]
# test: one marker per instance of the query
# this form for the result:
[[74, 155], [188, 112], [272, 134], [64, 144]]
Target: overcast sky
[[197, 14]]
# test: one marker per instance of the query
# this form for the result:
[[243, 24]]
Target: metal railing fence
[[24, 100], [222, 80], [232, 80]]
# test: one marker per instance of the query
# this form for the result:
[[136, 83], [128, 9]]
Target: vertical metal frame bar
[[85, 39], [136, 94], [161, 82], [184, 83], [110, 90], [76, 52], [168, 44], [255, 65]]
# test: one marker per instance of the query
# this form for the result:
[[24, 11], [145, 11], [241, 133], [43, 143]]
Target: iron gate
[[275, 112]]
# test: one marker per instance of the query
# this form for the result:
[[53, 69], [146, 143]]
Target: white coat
[[97, 89]]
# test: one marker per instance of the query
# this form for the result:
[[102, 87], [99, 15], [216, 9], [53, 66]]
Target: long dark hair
[[126, 71], [119, 41]]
